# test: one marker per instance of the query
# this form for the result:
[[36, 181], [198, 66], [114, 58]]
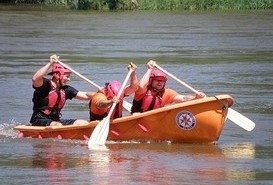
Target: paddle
[[233, 115], [100, 133], [125, 104], [79, 75]]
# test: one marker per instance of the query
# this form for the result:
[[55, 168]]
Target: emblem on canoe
[[185, 120]]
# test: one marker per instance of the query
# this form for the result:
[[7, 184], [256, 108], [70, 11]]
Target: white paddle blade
[[98, 147], [127, 106], [100, 133], [240, 120]]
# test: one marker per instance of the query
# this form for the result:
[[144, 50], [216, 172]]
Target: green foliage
[[204, 4], [90, 4], [153, 4], [104, 4]]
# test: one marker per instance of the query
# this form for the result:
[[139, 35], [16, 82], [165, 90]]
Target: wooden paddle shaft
[[79, 75], [121, 90], [173, 77], [127, 105]]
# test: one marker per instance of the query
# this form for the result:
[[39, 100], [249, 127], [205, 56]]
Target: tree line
[[151, 4]]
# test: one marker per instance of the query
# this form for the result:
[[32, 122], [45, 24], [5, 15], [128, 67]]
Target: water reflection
[[145, 163], [174, 163], [239, 151], [44, 158], [243, 154]]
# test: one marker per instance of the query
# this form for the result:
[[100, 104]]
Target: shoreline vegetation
[[187, 5]]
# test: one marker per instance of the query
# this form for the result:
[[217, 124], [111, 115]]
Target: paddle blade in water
[[240, 120], [100, 133]]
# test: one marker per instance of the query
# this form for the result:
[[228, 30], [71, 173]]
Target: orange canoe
[[197, 121]]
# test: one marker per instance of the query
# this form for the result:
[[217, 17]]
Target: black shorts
[[39, 119]]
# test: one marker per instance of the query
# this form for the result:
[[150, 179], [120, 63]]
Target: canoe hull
[[197, 121]]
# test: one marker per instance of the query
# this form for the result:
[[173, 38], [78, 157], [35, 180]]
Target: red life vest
[[56, 100], [150, 100]]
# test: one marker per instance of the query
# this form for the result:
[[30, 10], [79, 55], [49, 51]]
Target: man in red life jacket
[[102, 101], [50, 95], [152, 94]]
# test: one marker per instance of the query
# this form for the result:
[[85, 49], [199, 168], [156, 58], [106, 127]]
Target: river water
[[215, 52]]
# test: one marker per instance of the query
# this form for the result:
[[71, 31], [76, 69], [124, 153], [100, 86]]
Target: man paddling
[[50, 95], [107, 96], [152, 93]]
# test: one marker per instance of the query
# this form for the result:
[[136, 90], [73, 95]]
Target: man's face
[[158, 84], [65, 79]]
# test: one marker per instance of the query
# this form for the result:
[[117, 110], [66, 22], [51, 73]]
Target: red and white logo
[[185, 120]]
